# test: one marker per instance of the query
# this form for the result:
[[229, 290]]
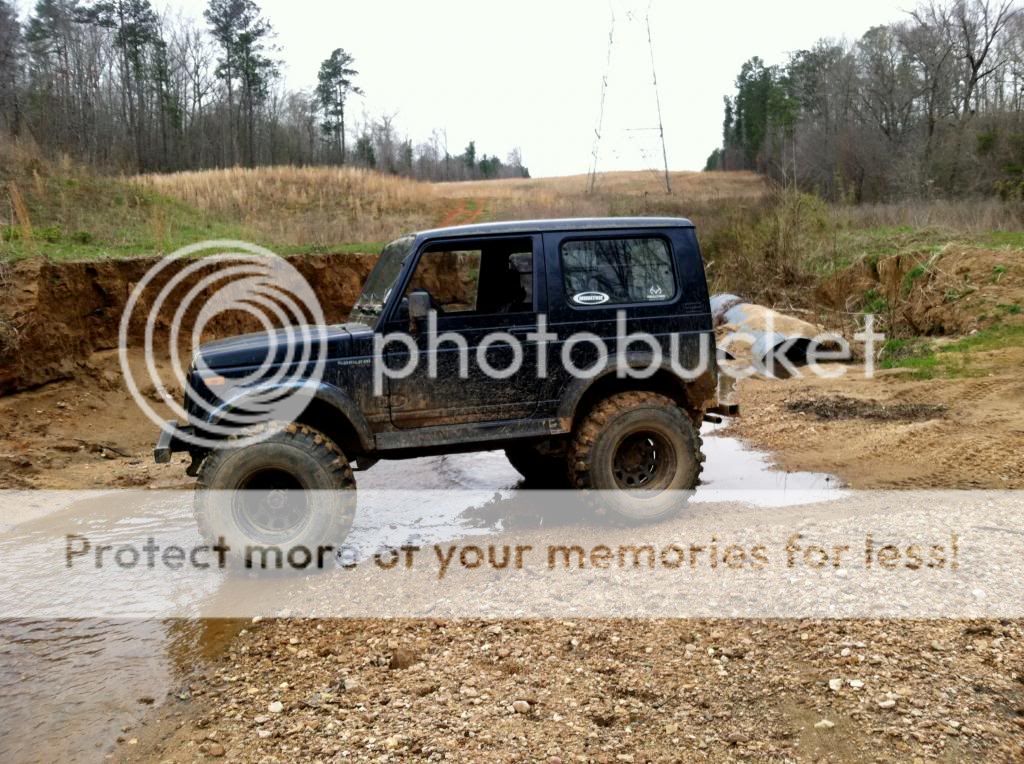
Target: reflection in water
[[68, 688]]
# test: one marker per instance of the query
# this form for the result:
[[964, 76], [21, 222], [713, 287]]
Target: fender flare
[[331, 395]]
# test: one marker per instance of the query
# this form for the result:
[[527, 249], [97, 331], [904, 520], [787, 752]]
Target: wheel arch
[[693, 394], [330, 411]]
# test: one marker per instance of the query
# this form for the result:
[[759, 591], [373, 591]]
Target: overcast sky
[[528, 73]]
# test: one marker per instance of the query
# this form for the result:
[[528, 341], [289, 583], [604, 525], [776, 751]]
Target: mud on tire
[[292, 489], [639, 453]]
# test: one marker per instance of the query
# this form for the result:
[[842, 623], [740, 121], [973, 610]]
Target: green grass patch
[[873, 302], [911, 276], [925, 360], [74, 214], [352, 248], [995, 337], [916, 354], [90, 217], [1010, 239], [879, 242]]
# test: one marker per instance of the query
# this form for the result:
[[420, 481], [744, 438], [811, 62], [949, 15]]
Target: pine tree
[[334, 85]]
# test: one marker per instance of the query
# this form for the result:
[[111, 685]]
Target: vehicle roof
[[558, 224]]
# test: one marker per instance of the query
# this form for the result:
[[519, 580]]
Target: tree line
[[932, 105], [117, 85]]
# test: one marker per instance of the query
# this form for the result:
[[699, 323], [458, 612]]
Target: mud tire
[[321, 475], [608, 427]]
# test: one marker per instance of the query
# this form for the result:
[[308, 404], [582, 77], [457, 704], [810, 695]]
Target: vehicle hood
[[257, 348]]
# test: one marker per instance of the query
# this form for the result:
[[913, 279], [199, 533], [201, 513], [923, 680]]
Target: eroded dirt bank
[[55, 315]]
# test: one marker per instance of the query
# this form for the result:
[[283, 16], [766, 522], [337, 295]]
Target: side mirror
[[419, 307]]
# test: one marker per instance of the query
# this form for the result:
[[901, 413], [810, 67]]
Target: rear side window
[[617, 271]]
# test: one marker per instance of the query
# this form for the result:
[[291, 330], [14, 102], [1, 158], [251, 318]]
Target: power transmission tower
[[598, 131], [657, 101], [600, 111]]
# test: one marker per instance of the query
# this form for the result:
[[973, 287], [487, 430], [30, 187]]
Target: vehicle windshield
[[378, 285]]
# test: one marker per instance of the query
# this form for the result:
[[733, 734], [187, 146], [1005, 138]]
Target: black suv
[[513, 339]]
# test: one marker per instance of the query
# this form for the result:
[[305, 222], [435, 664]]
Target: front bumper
[[173, 438]]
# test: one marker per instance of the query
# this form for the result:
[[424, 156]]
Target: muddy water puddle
[[70, 688]]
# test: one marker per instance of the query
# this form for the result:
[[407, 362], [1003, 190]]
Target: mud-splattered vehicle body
[[589, 405]]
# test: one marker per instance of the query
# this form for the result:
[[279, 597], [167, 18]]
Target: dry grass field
[[773, 245], [328, 206]]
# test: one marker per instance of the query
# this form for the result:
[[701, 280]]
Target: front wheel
[[640, 453], [275, 500]]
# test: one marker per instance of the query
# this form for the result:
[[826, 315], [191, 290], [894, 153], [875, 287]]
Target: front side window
[[617, 271], [479, 278]]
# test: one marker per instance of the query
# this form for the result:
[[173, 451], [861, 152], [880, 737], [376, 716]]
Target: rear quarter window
[[616, 271]]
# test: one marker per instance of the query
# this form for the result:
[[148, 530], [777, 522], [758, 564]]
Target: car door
[[592, 277], [469, 369]]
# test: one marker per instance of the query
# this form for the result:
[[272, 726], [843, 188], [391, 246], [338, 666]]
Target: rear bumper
[[172, 438]]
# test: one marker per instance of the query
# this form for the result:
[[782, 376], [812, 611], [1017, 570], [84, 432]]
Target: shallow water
[[69, 688]]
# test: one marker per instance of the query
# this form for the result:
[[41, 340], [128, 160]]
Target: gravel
[[603, 691]]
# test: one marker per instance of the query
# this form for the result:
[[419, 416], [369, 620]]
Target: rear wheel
[[641, 451], [293, 490]]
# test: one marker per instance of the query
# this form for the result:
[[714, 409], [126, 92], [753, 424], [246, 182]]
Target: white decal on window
[[590, 298]]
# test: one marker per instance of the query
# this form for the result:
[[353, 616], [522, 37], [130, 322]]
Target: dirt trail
[[462, 212]]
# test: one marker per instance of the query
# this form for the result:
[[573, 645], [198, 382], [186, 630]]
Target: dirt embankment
[[54, 315], [949, 292], [66, 417]]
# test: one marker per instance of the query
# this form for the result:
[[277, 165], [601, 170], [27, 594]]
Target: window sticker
[[656, 292], [590, 298]]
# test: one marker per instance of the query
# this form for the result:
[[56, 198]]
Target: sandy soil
[[893, 431], [85, 433]]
